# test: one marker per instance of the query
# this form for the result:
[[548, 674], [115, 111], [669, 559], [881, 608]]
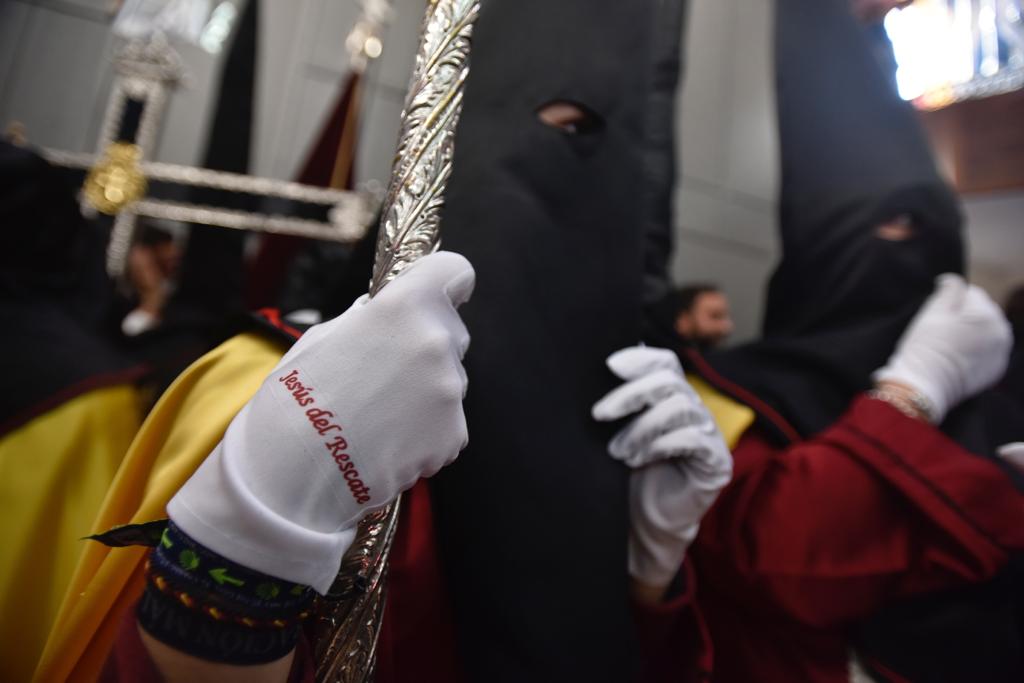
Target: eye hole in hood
[[571, 118], [899, 229]]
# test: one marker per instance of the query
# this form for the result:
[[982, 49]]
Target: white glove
[[1013, 453], [682, 460], [677, 422], [957, 345], [359, 409]]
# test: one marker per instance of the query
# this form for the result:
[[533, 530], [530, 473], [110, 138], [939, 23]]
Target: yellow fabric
[[179, 433], [54, 473], [733, 418]]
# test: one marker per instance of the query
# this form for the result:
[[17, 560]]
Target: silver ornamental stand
[[147, 71], [349, 622]]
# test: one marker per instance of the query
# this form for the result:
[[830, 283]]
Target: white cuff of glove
[[218, 511], [662, 526], [655, 557], [1013, 453]]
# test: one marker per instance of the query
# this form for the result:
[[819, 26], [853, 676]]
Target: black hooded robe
[[69, 406], [532, 519], [849, 526]]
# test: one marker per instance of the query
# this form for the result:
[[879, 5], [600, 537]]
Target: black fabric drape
[[854, 157], [532, 518], [55, 298], [208, 304], [212, 269]]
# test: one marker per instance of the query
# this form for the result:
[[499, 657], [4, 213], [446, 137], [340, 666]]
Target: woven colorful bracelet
[[215, 612]]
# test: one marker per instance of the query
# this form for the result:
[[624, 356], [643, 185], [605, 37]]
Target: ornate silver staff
[[348, 626]]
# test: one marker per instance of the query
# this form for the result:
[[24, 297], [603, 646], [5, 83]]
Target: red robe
[[805, 541], [418, 633], [808, 539], [417, 640]]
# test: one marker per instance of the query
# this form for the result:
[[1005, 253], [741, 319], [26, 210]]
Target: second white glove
[[359, 409], [675, 423], [1013, 453], [957, 345], [681, 460]]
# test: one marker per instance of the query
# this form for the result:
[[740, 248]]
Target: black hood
[[854, 158], [47, 249], [532, 518], [54, 293]]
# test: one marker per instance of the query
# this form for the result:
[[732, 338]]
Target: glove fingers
[[461, 430], [632, 443], [460, 288], [1013, 453], [463, 377], [450, 276], [690, 441], [639, 393], [950, 290], [636, 361], [977, 303], [455, 328], [443, 272], [704, 458]]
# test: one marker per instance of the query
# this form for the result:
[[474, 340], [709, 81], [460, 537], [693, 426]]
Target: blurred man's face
[[168, 257], [708, 322]]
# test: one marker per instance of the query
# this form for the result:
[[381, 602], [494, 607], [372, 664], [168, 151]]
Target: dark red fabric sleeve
[[130, 662], [877, 507], [674, 642], [417, 638]]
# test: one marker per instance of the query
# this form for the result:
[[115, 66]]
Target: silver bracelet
[[912, 404]]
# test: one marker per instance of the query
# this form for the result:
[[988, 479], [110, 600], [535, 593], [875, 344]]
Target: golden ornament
[[116, 180]]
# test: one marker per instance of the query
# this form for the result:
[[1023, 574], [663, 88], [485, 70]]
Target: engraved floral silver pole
[[423, 162], [348, 627]]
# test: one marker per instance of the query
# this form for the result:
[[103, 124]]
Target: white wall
[[55, 77], [728, 146], [55, 70], [52, 59], [303, 64], [995, 234], [727, 142]]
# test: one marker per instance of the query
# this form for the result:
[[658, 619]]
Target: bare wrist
[[645, 593]]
